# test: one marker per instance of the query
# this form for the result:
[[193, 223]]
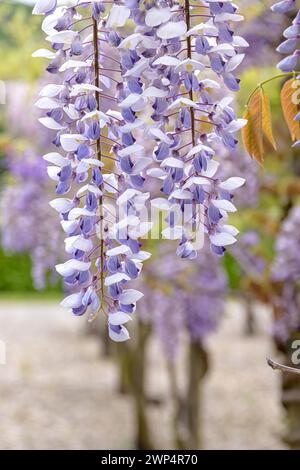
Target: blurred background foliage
[[20, 35]]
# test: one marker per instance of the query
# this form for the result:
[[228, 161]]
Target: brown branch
[[276, 366]]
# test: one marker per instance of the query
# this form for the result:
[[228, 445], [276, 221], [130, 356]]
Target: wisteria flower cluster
[[290, 46], [128, 75]]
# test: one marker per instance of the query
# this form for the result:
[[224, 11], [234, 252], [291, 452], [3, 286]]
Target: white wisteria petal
[[234, 62], [239, 42], [222, 239], [119, 318], [209, 28], [62, 205], [208, 83], [62, 37], [74, 64], [71, 266], [224, 48], [167, 60], [118, 16], [51, 91], [116, 278], [230, 229], [198, 149], [172, 162], [189, 65], [159, 134], [182, 102], [200, 180], [154, 92], [236, 125], [83, 244], [232, 183], [157, 16], [52, 172], [140, 256], [212, 168], [93, 162], [71, 142], [181, 194], [56, 158], [89, 187], [138, 68], [51, 124], [118, 250], [44, 54], [71, 112], [221, 17], [224, 205], [81, 87], [72, 301], [120, 337], [47, 103], [79, 212], [130, 296], [44, 6], [156, 173], [69, 226], [131, 41], [130, 100], [130, 150], [172, 30]]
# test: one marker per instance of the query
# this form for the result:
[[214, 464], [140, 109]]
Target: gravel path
[[58, 393]]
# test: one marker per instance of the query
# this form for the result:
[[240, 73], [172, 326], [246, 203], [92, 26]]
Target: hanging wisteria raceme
[[93, 140], [182, 51], [111, 93], [290, 46]]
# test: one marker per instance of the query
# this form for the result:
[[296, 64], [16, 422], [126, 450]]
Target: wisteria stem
[[98, 146], [189, 54]]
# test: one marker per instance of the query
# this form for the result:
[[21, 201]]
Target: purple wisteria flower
[[181, 58], [290, 47], [112, 95], [97, 160]]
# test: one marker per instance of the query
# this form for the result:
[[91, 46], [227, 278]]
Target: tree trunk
[[143, 439], [187, 415], [291, 402], [132, 366], [250, 318]]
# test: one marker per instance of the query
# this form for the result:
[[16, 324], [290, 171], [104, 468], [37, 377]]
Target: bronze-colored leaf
[[252, 133], [290, 107], [267, 119]]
